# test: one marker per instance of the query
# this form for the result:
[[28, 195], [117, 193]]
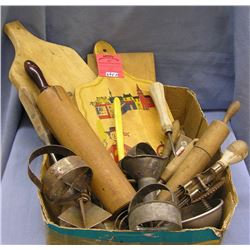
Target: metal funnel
[[144, 165]]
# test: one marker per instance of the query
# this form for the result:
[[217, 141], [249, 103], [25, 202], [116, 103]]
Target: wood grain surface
[[61, 65]]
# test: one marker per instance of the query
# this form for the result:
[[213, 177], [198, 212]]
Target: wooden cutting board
[[60, 65], [139, 116], [139, 64]]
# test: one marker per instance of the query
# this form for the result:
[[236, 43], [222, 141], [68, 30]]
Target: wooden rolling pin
[[202, 152], [176, 162], [36, 118], [71, 129]]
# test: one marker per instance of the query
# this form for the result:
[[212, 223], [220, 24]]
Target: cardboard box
[[185, 107]]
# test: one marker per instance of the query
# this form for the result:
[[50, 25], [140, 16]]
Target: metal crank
[[205, 184]]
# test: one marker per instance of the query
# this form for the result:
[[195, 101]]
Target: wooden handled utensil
[[36, 118], [175, 135], [70, 128], [166, 118], [176, 162], [206, 183], [202, 152]]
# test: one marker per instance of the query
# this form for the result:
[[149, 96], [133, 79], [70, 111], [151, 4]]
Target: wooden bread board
[[139, 64], [60, 65], [95, 102]]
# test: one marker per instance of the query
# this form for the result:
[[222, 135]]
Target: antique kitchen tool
[[36, 118], [173, 165], [97, 214], [94, 215], [167, 149], [166, 118], [121, 220], [206, 183], [202, 152], [95, 101], [152, 214], [71, 129], [61, 65], [56, 193], [202, 214], [66, 186], [143, 165], [68, 177], [181, 143]]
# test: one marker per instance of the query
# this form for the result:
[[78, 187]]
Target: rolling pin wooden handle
[[36, 74], [235, 152], [161, 105], [231, 111]]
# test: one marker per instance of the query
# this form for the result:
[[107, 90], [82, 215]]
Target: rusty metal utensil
[[167, 150], [206, 183], [154, 214], [200, 214], [143, 165], [94, 215], [121, 220], [202, 153], [68, 181]]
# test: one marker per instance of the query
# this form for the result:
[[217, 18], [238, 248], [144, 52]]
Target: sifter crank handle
[[36, 75]]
